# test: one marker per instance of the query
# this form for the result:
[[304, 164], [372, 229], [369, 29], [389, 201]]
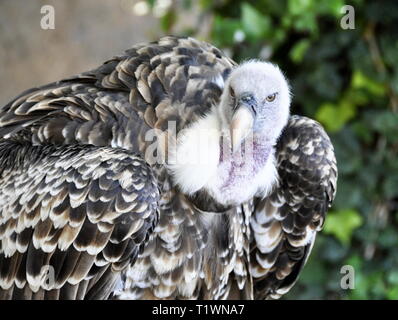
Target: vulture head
[[228, 155], [255, 101]]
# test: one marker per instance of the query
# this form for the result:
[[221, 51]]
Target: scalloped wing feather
[[83, 211]]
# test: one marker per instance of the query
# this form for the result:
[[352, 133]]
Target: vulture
[[169, 172]]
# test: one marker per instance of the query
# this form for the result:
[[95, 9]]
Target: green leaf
[[360, 81], [392, 293], [151, 3], [334, 6], [357, 96], [334, 117], [394, 82], [224, 30], [355, 261], [342, 224], [206, 4], [254, 23], [329, 116], [304, 13], [390, 185], [362, 131], [298, 50], [299, 7], [168, 20], [385, 122], [392, 277]]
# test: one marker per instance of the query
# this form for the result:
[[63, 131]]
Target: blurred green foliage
[[348, 81]]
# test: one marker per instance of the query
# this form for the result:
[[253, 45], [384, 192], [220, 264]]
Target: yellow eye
[[271, 97]]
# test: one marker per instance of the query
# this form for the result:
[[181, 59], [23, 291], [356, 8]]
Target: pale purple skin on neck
[[244, 165]]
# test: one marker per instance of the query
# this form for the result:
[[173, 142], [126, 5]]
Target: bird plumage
[[84, 187], [83, 210]]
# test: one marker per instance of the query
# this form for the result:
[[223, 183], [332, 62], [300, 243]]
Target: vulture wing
[[71, 219], [284, 225]]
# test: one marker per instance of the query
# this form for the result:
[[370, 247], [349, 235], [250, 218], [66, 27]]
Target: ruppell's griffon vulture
[[169, 172]]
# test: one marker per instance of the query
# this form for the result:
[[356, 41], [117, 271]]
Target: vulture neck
[[204, 162]]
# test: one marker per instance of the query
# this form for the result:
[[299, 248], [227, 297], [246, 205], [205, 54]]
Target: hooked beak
[[241, 126]]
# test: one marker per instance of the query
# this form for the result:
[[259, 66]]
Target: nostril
[[254, 110], [249, 101]]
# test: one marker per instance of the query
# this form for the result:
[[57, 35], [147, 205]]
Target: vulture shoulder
[[173, 79]]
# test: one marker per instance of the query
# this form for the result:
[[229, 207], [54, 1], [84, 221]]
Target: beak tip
[[241, 125]]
